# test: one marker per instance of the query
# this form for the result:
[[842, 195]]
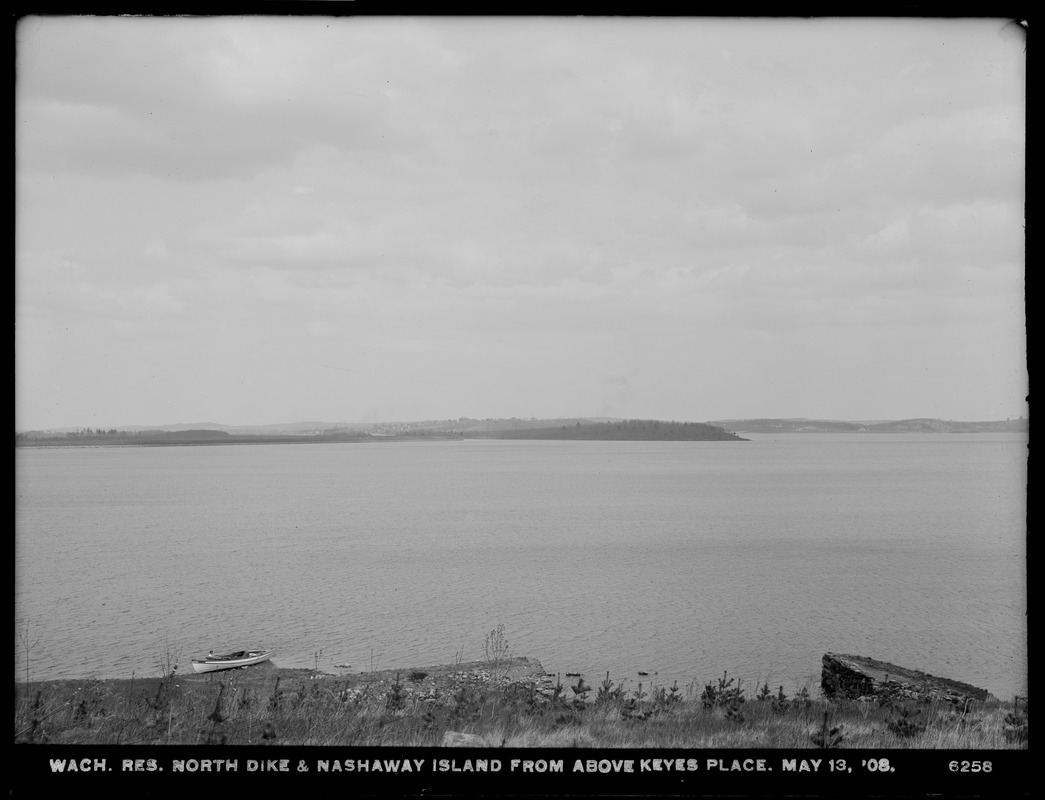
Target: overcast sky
[[261, 220]]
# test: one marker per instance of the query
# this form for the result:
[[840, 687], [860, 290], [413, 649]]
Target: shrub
[[780, 704], [580, 694], [608, 693], [372, 711], [802, 700], [634, 708], [725, 695], [664, 698]]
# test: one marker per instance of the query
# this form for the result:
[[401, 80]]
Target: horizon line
[[865, 420]]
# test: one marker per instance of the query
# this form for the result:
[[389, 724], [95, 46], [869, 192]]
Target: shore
[[508, 702]]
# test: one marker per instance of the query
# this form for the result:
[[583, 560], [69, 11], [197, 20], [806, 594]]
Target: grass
[[497, 707]]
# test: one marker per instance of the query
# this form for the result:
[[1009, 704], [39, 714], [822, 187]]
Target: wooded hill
[[621, 430]]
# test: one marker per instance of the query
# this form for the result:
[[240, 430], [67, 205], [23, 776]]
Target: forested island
[[644, 430], [617, 430]]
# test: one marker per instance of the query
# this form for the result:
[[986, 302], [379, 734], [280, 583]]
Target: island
[[463, 428], [621, 430]]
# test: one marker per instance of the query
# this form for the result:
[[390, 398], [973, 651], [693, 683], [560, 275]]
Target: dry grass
[[296, 707]]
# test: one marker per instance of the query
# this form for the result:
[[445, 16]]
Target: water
[[680, 559]]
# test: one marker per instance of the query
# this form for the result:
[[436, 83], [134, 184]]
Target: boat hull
[[235, 661]]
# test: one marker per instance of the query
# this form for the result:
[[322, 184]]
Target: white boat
[[241, 658]]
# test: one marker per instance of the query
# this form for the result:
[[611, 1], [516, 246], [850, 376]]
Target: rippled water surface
[[680, 559]]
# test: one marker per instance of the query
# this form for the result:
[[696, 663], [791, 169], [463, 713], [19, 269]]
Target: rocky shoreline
[[509, 702], [421, 683], [859, 678], [843, 676]]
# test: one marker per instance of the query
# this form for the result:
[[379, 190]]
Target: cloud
[[530, 206]]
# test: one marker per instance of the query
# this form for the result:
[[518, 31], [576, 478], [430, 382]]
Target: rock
[[857, 677], [516, 669], [458, 739]]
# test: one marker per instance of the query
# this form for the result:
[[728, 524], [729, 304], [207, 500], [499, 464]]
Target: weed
[[468, 704], [903, 722], [395, 699], [161, 702], [828, 737], [430, 718], [496, 648], [734, 713], [365, 710], [168, 661], [780, 704], [634, 708], [247, 699], [802, 699], [29, 639], [212, 735], [1016, 723], [276, 700], [569, 717], [34, 733]]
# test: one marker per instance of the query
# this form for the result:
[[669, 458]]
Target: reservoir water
[[678, 559]]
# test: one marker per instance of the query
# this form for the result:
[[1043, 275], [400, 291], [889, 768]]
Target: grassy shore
[[509, 702]]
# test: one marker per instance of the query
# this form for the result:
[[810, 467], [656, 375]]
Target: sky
[[259, 220]]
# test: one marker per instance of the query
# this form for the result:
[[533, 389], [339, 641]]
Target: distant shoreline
[[622, 430], [921, 425], [59, 442], [584, 428]]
